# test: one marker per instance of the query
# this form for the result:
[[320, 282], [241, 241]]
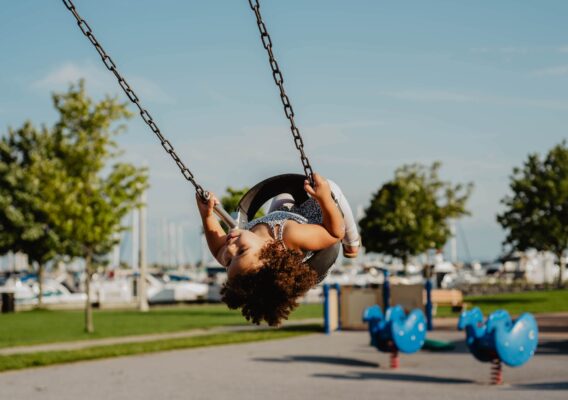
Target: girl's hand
[[206, 208], [321, 190]]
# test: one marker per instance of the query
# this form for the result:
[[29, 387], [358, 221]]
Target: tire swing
[[251, 202]]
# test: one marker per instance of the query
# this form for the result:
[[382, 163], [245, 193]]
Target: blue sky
[[375, 84]]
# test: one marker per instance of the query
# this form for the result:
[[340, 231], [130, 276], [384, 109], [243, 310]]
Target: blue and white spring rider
[[394, 331], [499, 339]]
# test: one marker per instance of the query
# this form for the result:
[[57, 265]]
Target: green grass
[[38, 327], [516, 303], [20, 361]]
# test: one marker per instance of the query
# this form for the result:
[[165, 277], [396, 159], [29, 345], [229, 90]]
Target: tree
[[536, 214], [58, 193], [230, 201], [231, 198], [97, 195], [27, 172], [92, 199], [409, 214]]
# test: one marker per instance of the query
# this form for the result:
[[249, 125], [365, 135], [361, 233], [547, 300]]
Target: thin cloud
[[480, 50], [513, 50], [561, 70], [99, 81], [431, 95], [68, 73], [463, 97], [506, 50], [562, 49]]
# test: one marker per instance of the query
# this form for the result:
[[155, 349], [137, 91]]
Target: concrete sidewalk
[[316, 366], [82, 344]]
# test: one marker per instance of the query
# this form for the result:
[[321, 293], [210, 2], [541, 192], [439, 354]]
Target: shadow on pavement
[[552, 323], [302, 328], [394, 377], [349, 362], [542, 386], [553, 347]]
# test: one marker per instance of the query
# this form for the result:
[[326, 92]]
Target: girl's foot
[[350, 251]]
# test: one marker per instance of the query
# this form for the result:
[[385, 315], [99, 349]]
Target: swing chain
[[279, 80], [144, 114]]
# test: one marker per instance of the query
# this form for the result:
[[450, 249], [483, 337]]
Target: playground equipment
[[394, 332], [500, 339], [253, 200], [344, 304]]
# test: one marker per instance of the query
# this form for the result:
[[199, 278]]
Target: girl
[[266, 262]]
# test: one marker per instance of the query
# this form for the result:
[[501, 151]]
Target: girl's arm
[[214, 233], [317, 237], [308, 237]]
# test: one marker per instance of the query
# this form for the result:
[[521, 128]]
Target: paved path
[[82, 344], [340, 366]]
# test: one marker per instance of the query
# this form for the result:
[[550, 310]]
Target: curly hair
[[270, 292]]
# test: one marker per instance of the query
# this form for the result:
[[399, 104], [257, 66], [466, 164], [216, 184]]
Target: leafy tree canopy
[[536, 214], [27, 172], [409, 214], [100, 190], [62, 190], [231, 198], [230, 201]]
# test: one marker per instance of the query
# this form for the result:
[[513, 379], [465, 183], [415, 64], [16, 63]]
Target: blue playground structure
[[394, 331], [500, 339]]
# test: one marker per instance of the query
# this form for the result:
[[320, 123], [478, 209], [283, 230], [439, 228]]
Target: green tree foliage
[[100, 191], [62, 190], [231, 198], [409, 214], [28, 172], [230, 201], [536, 214]]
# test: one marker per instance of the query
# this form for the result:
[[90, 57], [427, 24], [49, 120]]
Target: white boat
[[216, 277], [26, 293], [121, 289], [178, 291]]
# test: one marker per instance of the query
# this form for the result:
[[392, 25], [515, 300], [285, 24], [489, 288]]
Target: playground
[[282, 288], [320, 366]]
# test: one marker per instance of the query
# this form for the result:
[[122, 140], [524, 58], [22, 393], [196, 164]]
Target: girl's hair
[[270, 292]]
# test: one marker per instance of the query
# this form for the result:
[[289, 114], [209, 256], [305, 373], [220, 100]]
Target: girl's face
[[241, 251]]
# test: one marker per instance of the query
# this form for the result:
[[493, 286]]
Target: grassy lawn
[[516, 303], [20, 361], [35, 327]]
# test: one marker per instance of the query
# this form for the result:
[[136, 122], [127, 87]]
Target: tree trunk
[[89, 326], [40, 284], [561, 265]]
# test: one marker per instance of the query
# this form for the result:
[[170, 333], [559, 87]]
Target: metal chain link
[[279, 80], [144, 114]]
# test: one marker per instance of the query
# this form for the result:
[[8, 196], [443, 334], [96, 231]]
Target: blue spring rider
[[500, 339], [394, 331]]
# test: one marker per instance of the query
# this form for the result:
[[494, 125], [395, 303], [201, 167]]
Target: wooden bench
[[448, 297]]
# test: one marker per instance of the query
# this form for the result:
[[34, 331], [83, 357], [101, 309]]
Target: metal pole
[[11, 263], [453, 242], [386, 290], [142, 242], [180, 252], [225, 216], [172, 245], [429, 306], [134, 243]]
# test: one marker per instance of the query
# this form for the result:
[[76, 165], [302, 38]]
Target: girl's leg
[[351, 238]]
